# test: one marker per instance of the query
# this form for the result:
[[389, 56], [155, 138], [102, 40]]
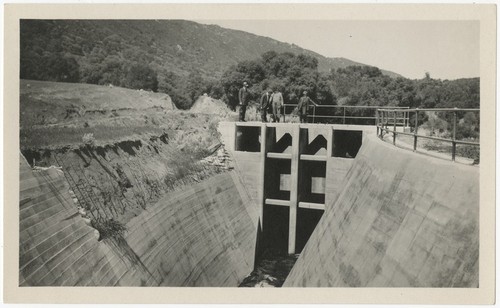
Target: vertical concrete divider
[[329, 144], [294, 176], [263, 153]]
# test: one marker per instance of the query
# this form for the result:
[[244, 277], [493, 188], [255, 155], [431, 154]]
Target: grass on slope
[[45, 102], [56, 115]]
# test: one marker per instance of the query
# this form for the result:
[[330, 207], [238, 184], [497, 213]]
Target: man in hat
[[243, 96], [303, 107], [265, 103]]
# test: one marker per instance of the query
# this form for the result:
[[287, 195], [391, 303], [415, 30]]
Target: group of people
[[272, 102]]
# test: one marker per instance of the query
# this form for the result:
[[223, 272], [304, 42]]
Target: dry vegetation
[[119, 156]]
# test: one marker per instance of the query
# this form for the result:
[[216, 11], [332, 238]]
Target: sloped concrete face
[[401, 220], [56, 246], [200, 236]]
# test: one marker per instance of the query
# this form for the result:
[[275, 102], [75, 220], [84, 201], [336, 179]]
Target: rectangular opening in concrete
[[307, 220], [278, 143], [312, 181], [277, 179], [346, 143], [247, 138], [275, 231]]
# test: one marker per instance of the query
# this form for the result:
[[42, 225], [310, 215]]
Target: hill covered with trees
[[352, 86], [185, 59], [157, 52]]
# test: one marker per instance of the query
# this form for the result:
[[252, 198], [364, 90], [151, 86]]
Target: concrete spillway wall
[[401, 220], [390, 218], [203, 235], [292, 172]]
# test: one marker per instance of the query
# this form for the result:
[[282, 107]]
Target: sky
[[445, 49]]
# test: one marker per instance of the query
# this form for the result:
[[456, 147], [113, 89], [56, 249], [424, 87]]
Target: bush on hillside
[[141, 76], [108, 228]]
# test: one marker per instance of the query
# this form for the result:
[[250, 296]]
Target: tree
[[59, 68], [141, 76]]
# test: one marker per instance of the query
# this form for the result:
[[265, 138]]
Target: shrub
[[141, 76], [108, 228], [89, 139]]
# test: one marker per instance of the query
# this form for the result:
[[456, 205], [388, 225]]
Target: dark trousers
[[243, 110], [303, 117], [263, 115]]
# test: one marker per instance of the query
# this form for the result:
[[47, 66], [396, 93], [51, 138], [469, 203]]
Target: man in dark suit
[[244, 97], [303, 107], [265, 103]]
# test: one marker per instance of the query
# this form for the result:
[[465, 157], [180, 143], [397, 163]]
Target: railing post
[[381, 124], [453, 142], [394, 132], [385, 121], [415, 131], [376, 119], [314, 112], [343, 121]]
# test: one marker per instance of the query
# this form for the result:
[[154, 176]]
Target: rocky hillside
[[120, 149]]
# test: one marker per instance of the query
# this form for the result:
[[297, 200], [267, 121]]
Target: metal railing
[[329, 113], [386, 117]]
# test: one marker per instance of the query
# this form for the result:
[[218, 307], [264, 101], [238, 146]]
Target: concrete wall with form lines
[[293, 172], [402, 219], [203, 235], [56, 247]]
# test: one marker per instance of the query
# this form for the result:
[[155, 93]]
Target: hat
[[245, 83]]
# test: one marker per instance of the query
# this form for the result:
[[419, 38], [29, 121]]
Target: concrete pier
[[301, 169]]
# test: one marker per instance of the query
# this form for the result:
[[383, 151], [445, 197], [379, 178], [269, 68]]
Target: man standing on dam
[[243, 96], [277, 104], [303, 107], [265, 102]]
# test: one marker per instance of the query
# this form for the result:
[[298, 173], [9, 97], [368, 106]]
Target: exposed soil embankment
[[120, 149], [154, 182], [120, 180], [202, 235]]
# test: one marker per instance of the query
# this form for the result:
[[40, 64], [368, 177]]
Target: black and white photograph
[[250, 153]]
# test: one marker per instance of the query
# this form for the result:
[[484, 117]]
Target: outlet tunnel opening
[[272, 262], [277, 176], [307, 220], [247, 139], [346, 143], [312, 181], [275, 231]]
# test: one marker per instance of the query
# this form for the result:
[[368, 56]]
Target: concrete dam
[[357, 211]]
